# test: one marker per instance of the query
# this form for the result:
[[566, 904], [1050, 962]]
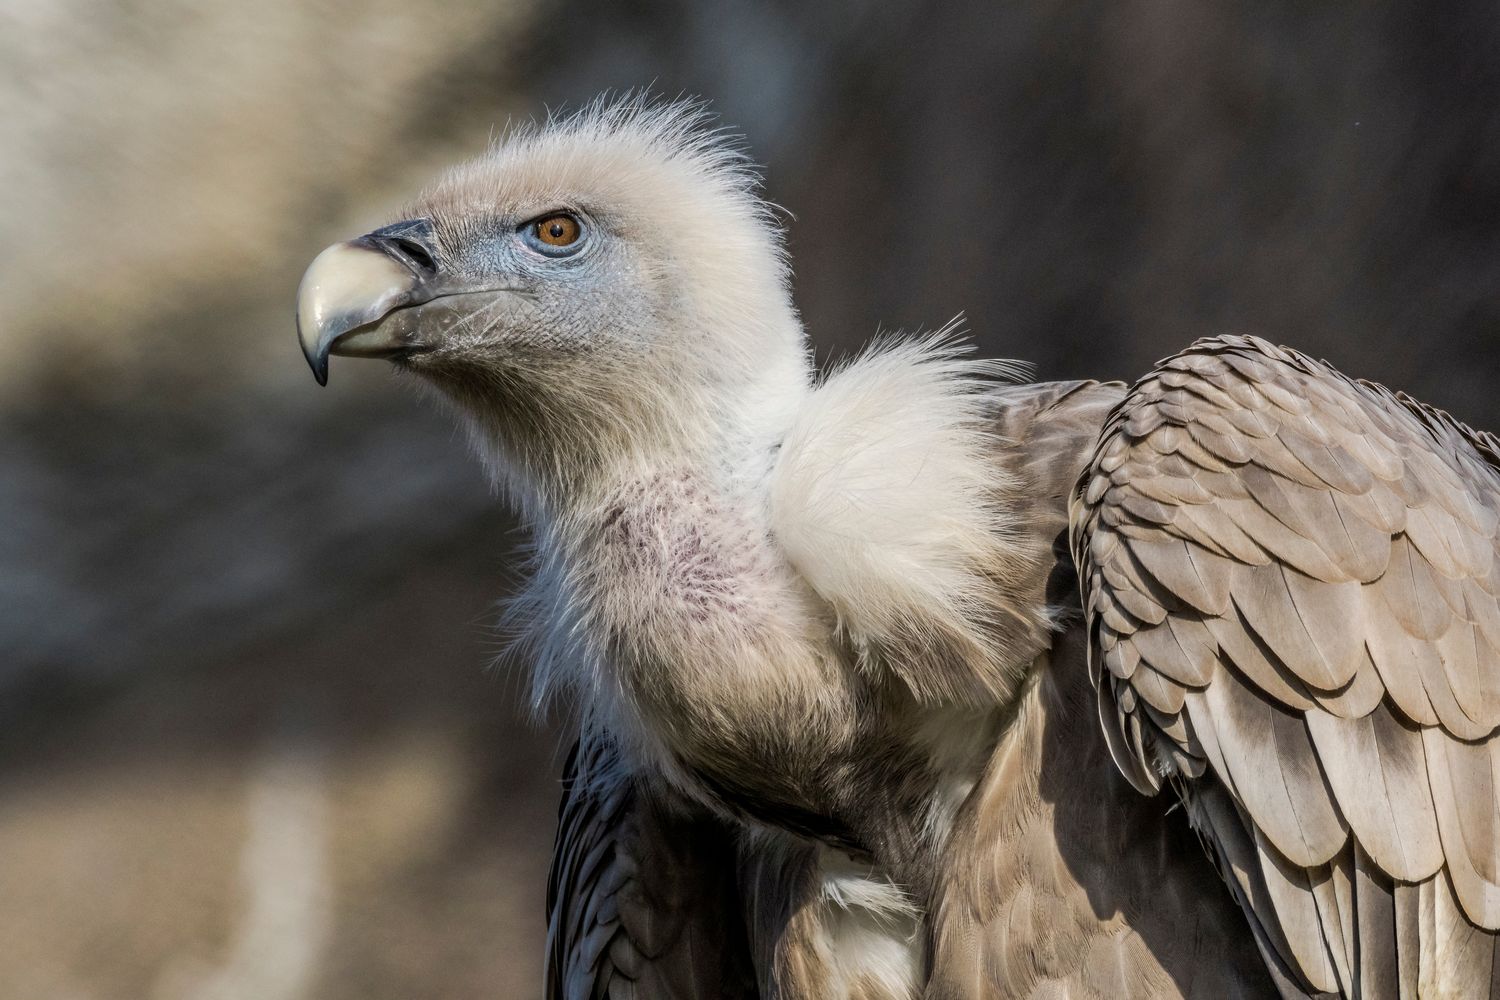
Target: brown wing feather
[[642, 900], [1290, 579], [1049, 885]]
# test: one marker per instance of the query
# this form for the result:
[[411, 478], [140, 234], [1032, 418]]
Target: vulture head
[[585, 289]]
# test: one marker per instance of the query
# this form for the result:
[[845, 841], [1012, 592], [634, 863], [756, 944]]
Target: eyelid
[[539, 216]]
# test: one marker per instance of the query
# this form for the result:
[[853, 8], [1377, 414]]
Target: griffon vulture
[[907, 681]]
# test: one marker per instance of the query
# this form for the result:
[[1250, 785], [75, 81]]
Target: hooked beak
[[344, 300]]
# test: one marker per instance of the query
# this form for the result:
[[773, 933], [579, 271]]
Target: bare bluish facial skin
[[591, 296]]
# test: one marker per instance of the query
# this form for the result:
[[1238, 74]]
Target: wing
[[642, 899], [1290, 585]]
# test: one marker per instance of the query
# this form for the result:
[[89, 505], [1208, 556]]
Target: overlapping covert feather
[[1293, 588]]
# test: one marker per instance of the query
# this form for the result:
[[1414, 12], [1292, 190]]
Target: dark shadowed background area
[[249, 743]]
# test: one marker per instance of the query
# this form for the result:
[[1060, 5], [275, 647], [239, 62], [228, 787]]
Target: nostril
[[416, 252]]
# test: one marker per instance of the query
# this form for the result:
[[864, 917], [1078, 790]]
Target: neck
[[753, 605], [659, 598]]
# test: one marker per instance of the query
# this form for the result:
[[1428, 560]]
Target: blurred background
[[251, 744]]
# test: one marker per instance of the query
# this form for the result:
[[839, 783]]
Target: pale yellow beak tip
[[346, 286]]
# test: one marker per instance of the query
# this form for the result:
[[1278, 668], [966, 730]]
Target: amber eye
[[558, 230]]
